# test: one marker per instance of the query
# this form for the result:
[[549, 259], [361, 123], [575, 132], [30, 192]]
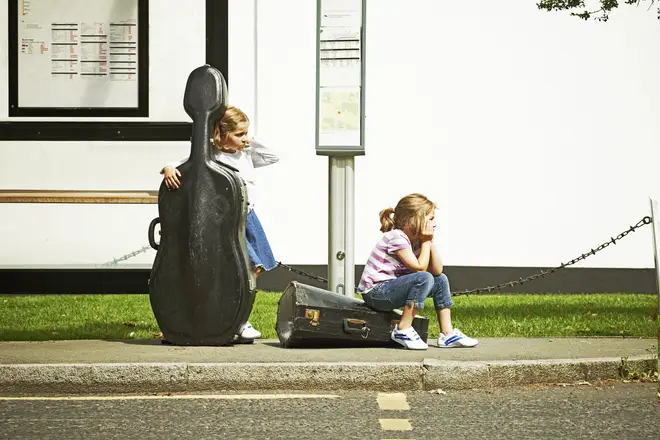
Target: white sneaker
[[457, 339], [249, 332], [408, 338]]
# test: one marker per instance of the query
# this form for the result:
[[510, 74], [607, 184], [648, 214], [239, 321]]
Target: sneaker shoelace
[[413, 334]]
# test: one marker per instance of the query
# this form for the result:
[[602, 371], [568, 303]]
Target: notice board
[[78, 58], [340, 73]]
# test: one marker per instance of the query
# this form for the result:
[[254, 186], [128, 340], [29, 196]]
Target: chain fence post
[[655, 217]]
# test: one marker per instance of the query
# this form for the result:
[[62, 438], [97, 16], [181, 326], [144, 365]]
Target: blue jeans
[[408, 289], [259, 250]]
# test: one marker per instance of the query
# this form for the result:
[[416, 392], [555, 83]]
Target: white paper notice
[[340, 63], [339, 116], [341, 13], [77, 53]]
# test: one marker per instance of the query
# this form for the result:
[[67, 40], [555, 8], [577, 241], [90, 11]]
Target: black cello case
[[201, 287], [311, 317]]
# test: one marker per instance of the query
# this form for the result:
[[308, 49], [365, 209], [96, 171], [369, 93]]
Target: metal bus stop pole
[[341, 225], [340, 99], [349, 224], [336, 227]]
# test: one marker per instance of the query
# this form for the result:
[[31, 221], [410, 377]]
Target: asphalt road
[[621, 411]]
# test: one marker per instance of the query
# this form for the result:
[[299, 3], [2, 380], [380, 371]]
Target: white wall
[[536, 134]]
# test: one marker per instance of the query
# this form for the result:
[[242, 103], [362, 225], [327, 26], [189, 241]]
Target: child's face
[[431, 217], [237, 140]]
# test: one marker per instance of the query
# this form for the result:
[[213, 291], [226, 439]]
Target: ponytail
[[410, 212], [386, 219]]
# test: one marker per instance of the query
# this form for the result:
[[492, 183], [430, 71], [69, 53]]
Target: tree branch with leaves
[[579, 9]]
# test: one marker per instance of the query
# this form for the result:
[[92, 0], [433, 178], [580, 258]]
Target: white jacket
[[256, 155]]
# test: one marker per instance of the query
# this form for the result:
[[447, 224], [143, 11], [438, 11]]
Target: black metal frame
[[217, 41], [142, 109]]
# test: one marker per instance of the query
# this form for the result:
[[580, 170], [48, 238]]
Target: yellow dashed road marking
[[395, 424], [393, 402]]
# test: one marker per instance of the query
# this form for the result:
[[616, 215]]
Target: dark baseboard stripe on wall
[[96, 131], [135, 281]]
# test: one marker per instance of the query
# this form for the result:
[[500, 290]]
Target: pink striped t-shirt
[[383, 264]]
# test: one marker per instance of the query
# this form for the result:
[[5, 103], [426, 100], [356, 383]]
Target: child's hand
[[426, 233], [247, 145], [171, 178]]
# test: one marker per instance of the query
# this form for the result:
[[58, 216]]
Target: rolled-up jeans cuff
[[445, 304], [418, 305]]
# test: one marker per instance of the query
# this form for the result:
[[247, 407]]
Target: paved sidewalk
[[128, 366]]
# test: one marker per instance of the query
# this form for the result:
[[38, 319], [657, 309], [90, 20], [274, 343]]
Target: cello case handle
[[150, 234]]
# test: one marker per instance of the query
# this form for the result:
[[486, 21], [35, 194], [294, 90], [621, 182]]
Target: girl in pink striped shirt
[[405, 268]]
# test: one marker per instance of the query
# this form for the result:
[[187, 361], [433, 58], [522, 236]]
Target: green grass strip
[[51, 317]]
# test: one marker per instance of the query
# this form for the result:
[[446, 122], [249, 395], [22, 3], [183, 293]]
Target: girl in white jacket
[[236, 149]]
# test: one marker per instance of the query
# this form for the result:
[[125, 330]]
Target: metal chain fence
[[488, 289]]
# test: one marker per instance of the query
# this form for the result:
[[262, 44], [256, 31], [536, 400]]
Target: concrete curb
[[49, 379], [498, 374]]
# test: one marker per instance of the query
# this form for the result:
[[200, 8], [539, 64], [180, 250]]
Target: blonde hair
[[232, 118], [410, 211]]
